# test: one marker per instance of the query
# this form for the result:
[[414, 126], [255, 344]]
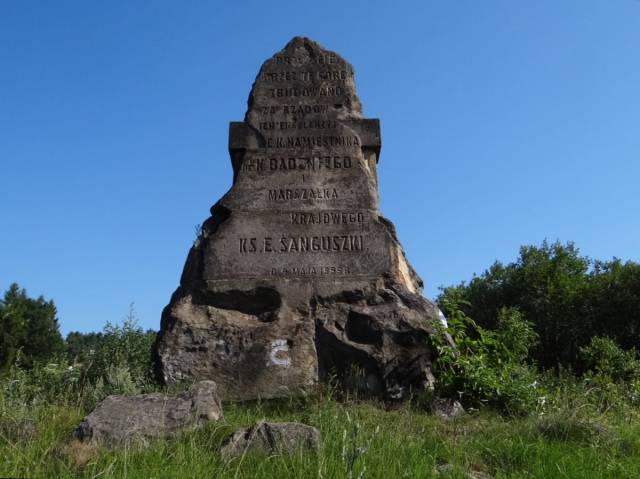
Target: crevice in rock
[[337, 357], [260, 301], [410, 338], [361, 328], [347, 296]]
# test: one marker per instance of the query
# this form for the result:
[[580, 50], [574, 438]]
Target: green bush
[[489, 367], [612, 378], [116, 361], [42, 383], [604, 357], [125, 345]]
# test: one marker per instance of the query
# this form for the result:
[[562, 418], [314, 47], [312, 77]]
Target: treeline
[[30, 337], [567, 297]]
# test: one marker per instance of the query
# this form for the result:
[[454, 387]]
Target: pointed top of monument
[[304, 74]]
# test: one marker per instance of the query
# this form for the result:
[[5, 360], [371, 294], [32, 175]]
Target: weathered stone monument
[[296, 274]]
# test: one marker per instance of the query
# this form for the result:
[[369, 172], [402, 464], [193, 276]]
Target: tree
[[613, 302], [29, 327], [80, 346], [548, 285]]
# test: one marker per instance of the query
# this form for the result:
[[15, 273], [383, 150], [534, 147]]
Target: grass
[[360, 439]]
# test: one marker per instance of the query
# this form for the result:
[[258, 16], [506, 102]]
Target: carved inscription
[[330, 59], [307, 81], [311, 141], [292, 163], [307, 92], [302, 194], [311, 270], [300, 125], [306, 76], [305, 198], [302, 244], [327, 218], [293, 109]]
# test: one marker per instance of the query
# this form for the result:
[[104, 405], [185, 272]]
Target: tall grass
[[360, 439]]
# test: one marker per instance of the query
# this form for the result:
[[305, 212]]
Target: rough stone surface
[[447, 408], [118, 420], [270, 438], [296, 274]]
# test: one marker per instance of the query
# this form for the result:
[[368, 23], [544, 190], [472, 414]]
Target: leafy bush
[[488, 367], [125, 345], [43, 383], [116, 361], [604, 357], [613, 374]]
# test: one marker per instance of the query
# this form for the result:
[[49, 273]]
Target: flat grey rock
[[296, 275], [120, 420], [447, 408], [271, 438]]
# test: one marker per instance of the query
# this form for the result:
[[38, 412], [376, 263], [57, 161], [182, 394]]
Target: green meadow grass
[[360, 439]]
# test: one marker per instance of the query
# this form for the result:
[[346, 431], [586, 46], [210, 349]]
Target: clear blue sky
[[504, 122]]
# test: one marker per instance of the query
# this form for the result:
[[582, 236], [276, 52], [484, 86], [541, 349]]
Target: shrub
[[117, 348], [488, 367], [116, 361], [42, 383], [612, 377], [604, 357]]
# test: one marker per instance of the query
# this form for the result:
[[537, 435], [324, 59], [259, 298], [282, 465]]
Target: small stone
[[269, 437], [17, 430], [119, 420], [447, 408], [449, 470], [445, 469]]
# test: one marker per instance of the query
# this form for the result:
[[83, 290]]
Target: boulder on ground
[[447, 408], [118, 420], [269, 437]]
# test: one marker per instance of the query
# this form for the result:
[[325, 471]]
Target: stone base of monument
[[380, 330], [296, 276]]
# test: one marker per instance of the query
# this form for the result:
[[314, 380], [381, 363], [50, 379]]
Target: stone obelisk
[[296, 274]]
